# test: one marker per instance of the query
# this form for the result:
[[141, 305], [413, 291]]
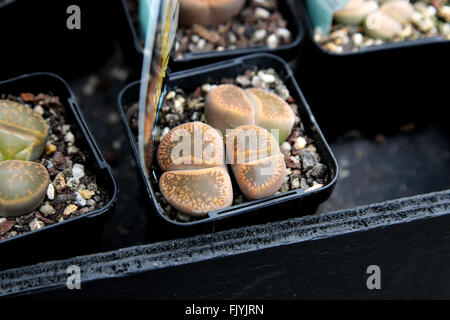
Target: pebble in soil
[[73, 188], [364, 23], [23, 132], [304, 168]]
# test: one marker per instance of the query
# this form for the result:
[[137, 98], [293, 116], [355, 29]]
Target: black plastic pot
[[388, 84], [78, 235], [292, 203], [191, 60], [35, 36]]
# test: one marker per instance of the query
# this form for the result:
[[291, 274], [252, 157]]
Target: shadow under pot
[[56, 190], [309, 169], [259, 26]]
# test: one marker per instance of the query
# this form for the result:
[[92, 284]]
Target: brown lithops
[[272, 113], [249, 143], [263, 170], [227, 107], [23, 185], [23, 132], [191, 145], [197, 180], [208, 12], [196, 192], [261, 178]]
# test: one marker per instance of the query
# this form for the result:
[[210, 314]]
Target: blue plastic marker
[[321, 12]]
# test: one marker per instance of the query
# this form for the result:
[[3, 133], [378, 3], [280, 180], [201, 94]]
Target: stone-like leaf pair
[[196, 178], [23, 135], [384, 22]]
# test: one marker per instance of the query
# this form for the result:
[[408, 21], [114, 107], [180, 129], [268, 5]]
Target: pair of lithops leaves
[[23, 135], [381, 22], [229, 106], [208, 12], [196, 180]]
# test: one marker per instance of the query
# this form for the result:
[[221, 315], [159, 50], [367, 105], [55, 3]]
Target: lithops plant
[[23, 186], [227, 107], [261, 178], [191, 145], [355, 11], [380, 25], [389, 21], [197, 180], [23, 132], [208, 12], [195, 192], [263, 169], [272, 112], [400, 10]]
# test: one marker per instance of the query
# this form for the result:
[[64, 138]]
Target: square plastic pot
[[276, 207], [134, 49], [80, 234]]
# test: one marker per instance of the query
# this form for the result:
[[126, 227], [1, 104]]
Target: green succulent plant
[[23, 132], [23, 186]]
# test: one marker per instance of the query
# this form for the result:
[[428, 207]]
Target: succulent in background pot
[[23, 135], [261, 26], [207, 12], [365, 23]]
